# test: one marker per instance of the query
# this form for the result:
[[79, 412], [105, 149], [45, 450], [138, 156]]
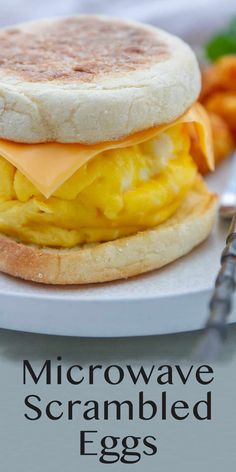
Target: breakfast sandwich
[[101, 144]]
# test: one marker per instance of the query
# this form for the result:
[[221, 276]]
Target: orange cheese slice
[[49, 165]]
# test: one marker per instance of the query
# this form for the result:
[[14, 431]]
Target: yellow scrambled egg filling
[[117, 193]]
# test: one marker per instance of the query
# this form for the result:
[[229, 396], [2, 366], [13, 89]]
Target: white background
[[193, 20]]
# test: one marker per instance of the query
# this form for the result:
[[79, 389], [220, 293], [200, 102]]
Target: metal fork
[[221, 302], [228, 199]]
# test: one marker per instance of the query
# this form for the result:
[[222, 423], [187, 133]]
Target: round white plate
[[169, 300]]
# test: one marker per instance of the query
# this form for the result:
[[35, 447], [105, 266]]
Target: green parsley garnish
[[222, 43]]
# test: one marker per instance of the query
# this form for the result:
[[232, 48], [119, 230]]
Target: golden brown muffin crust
[[79, 49]]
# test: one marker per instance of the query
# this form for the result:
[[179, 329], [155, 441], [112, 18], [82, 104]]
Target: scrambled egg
[[117, 193]]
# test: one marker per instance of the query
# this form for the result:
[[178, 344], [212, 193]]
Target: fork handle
[[222, 297]]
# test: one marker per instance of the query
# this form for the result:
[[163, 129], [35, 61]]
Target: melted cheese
[[49, 165]]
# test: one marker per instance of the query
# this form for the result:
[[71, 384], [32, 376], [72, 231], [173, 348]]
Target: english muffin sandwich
[[101, 143]]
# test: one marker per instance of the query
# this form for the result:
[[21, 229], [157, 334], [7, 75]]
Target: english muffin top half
[[90, 79]]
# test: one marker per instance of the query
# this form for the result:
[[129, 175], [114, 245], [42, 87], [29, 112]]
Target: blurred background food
[[219, 97], [222, 43], [208, 24], [219, 89]]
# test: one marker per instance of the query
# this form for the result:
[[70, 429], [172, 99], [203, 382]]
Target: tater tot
[[219, 98], [223, 104], [218, 77], [226, 69], [211, 82]]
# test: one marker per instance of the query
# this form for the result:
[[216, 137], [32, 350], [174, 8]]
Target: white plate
[[170, 300]]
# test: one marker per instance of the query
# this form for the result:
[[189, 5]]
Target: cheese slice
[[49, 165]]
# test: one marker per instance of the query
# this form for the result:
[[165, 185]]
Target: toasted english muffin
[[89, 79], [79, 89]]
